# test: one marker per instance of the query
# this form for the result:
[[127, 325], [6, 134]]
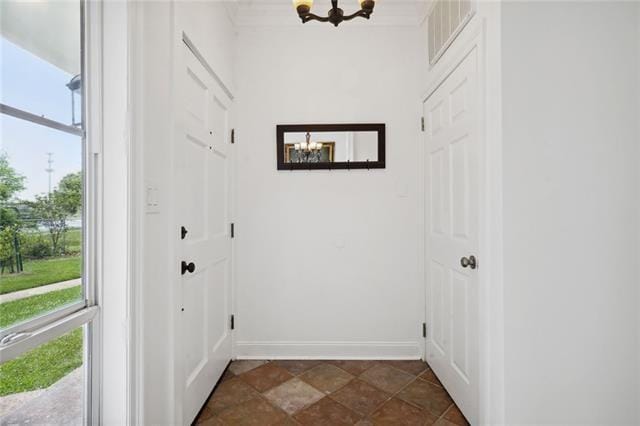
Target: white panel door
[[202, 185], [451, 115]]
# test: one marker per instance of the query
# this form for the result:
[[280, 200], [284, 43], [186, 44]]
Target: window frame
[[27, 335]]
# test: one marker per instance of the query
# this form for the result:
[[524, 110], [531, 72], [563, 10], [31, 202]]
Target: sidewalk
[[60, 404], [17, 295]]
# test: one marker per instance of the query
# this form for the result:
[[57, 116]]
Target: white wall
[[571, 212], [159, 27], [327, 261]]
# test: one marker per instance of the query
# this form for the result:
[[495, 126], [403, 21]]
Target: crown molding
[[280, 13]]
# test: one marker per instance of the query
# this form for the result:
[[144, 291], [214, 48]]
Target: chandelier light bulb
[[303, 6], [366, 4]]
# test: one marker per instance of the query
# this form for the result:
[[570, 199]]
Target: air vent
[[446, 19]]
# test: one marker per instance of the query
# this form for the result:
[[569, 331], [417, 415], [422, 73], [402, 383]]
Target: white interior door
[[202, 181], [451, 115]]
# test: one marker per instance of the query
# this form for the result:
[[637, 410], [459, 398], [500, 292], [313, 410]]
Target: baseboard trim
[[328, 350]]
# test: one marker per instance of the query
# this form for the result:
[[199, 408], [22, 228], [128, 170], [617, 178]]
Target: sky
[[31, 84]]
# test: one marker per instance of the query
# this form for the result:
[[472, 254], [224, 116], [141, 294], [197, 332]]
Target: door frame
[[490, 308]]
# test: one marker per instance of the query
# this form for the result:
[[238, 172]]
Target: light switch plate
[[152, 205]]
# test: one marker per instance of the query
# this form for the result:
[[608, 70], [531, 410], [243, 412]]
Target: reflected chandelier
[[336, 15], [308, 152]]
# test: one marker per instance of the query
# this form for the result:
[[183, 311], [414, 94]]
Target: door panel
[[451, 151], [203, 180]]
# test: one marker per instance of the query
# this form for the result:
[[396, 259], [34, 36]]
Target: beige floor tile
[[293, 395]]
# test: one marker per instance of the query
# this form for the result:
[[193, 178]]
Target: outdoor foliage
[[10, 184], [10, 181], [10, 239], [51, 211]]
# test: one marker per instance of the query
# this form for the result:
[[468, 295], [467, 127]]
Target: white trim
[[112, 191], [92, 220], [174, 338], [328, 350], [41, 321], [33, 339], [491, 315], [40, 120], [136, 309]]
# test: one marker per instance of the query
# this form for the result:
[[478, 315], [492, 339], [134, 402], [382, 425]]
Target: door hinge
[[424, 329], [233, 322], [233, 230], [422, 123], [233, 135]]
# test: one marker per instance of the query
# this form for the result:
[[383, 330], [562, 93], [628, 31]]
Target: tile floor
[[329, 393]]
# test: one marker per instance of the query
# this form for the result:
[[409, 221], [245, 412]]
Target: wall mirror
[[330, 146]]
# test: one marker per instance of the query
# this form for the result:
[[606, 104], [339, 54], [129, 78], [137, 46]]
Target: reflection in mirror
[[331, 146]]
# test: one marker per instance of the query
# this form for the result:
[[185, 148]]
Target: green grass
[[41, 272], [30, 307], [43, 366], [48, 363]]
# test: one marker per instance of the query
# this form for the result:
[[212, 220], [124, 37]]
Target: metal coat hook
[[367, 164]]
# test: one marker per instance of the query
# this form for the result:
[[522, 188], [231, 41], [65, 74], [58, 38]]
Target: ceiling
[[282, 12], [47, 28]]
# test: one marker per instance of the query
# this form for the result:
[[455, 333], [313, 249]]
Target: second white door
[[451, 142], [202, 156]]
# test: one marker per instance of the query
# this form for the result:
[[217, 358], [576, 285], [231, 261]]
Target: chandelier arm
[[311, 16], [361, 13]]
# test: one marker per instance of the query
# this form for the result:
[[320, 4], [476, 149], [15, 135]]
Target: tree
[[54, 210], [50, 214], [11, 182], [69, 193]]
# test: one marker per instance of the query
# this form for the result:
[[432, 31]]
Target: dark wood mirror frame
[[281, 129]]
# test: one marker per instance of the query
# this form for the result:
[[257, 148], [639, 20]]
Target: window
[[46, 298]]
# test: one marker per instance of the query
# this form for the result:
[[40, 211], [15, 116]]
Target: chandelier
[[336, 15], [308, 152]]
